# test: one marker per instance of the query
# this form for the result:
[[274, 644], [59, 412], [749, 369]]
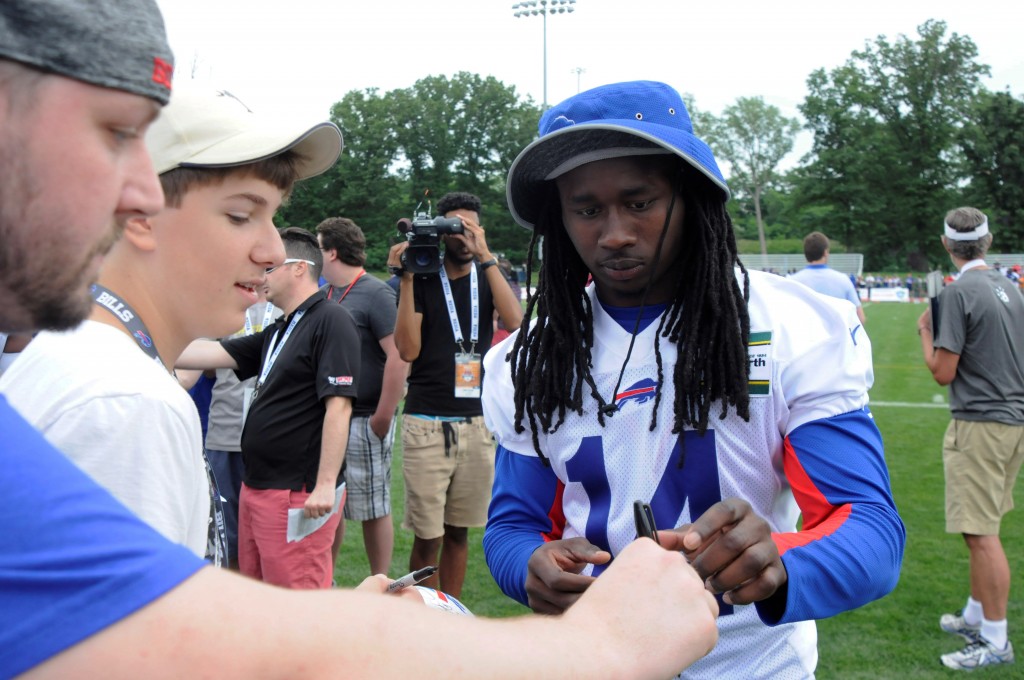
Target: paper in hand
[[300, 526]]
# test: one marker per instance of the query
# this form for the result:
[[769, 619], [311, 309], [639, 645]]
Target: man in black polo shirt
[[296, 429], [448, 453]]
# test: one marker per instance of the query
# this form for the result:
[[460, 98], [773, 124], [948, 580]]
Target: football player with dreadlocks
[[659, 370]]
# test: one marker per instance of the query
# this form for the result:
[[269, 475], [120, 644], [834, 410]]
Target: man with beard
[[444, 326], [100, 391], [87, 585]]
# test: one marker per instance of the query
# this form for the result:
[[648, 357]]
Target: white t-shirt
[[121, 418]]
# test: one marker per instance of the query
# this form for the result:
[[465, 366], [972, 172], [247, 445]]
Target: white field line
[[907, 404]]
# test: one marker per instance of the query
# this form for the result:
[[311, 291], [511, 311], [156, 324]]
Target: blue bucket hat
[[624, 119]]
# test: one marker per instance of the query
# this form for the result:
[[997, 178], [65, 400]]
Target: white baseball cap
[[206, 128]]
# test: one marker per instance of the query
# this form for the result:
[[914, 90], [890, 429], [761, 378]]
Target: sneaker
[[976, 655], [954, 624]]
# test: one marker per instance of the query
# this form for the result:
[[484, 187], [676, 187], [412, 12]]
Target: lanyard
[[453, 315], [109, 300], [268, 317], [330, 290], [272, 357]]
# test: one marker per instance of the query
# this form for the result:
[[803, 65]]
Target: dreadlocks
[[707, 319]]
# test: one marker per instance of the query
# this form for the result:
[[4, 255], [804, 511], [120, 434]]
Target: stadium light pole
[[543, 8], [579, 70]]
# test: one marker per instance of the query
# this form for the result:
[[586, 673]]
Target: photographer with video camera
[[444, 326]]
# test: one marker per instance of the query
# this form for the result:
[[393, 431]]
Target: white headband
[[973, 235]]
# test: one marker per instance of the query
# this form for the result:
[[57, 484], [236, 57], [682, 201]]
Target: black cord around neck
[[609, 409]]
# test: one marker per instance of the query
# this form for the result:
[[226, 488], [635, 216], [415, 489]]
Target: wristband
[[396, 270], [484, 266]]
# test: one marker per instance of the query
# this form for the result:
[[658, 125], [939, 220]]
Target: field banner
[[889, 295]]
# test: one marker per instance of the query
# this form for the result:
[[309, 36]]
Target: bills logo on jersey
[[342, 380], [143, 339], [640, 392]]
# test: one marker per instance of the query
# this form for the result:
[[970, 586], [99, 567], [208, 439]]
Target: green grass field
[[897, 637]]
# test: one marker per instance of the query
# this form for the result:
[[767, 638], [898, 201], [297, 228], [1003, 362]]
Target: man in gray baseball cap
[[79, 136], [86, 586]]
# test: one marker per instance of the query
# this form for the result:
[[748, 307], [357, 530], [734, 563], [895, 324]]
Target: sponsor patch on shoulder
[[342, 380], [759, 353]]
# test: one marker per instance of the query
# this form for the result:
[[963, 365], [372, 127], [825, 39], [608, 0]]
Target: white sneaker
[[977, 654], [955, 624]]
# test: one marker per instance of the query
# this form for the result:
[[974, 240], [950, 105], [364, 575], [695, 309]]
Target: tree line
[[902, 131]]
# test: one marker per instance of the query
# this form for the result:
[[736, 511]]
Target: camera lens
[[423, 259]]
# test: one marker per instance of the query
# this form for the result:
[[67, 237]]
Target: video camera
[[423, 256]]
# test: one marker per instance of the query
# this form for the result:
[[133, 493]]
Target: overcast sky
[[303, 55]]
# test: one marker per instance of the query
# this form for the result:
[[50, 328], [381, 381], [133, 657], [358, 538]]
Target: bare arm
[[187, 377], [505, 303], [407, 325], [941, 362], [333, 441], [648, 616], [204, 355], [392, 386]]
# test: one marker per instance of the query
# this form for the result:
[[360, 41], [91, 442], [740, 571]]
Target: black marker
[[644, 519], [411, 579]]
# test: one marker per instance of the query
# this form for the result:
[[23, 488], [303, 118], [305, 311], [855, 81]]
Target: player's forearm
[[523, 492], [850, 548]]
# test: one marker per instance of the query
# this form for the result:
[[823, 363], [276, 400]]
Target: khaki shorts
[[981, 460], [440, 488]]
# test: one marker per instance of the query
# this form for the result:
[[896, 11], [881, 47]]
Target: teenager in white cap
[[679, 379], [103, 393], [89, 589]]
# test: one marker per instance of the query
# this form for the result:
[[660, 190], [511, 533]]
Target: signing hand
[[658, 617], [378, 583]]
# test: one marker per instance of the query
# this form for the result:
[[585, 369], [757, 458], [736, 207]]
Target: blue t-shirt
[[73, 560], [827, 281]]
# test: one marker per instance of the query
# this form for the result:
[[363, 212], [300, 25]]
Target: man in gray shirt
[[978, 350], [372, 304]]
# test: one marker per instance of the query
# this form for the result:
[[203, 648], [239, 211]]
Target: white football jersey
[[809, 360]]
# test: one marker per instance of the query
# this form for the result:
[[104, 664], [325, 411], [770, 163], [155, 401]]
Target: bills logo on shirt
[[640, 392], [341, 380]]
